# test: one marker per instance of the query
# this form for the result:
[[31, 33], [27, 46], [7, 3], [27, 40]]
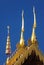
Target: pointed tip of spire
[[33, 9], [34, 17], [22, 12], [8, 27], [22, 20]]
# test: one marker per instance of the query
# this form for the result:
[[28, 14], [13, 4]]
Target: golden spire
[[22, 30], [22, 20], [8, 47], [33, 37]]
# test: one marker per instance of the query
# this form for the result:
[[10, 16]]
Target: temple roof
[[23, 51], [19, 56]]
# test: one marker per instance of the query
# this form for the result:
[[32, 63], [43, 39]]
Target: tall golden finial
[[22, 20], [8, 46], [34, 17], [33, 37], [22, 30]]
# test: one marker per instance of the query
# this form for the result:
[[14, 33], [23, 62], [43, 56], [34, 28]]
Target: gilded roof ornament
[[33, 37], [8, 46], [22, 30]]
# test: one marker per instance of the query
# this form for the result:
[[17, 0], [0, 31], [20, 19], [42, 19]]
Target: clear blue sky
[[10, 14]]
